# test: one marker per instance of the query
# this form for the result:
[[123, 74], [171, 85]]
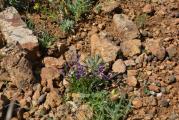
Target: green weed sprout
[[30, 24], [72, 12], [92, 90], [79, 8], [67, 25], [93, 63], [45, 39], [18, 4]]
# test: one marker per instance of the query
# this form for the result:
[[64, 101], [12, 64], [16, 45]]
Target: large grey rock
[[126, 28], [15, 30]]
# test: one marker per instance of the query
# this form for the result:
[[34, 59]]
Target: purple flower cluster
[[79, 70], [75, 68], [101, 72]]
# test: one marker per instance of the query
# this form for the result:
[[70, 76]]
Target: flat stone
[[15, 30], [130, 48], [137, 103], [130, 62], [155, 47], [127, 29], [154, 88], [119, 66], [71, 54], [132, 72], [132, 81], [148, 8], [109, 6], [54, 62], [103, 47]]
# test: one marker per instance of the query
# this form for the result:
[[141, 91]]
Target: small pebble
[[171, 79], [42, 98], [165, 103], [163, 90], [159, 94], [137, 103]]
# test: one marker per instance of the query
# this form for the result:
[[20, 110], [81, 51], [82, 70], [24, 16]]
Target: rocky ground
[[138, 39]]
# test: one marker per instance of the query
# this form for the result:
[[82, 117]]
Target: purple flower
[[101, 72], [79, 70], [33, 1], [101, 68]]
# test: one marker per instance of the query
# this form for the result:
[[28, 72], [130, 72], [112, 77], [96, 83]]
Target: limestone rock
[[132, 72], [71, 54], [132, 81], [109, 6], [48, 74], [54, 62], [148, 8], [119, 66], [130, 48], [126, 28], [104, 48], [156, 48], [15, 30], [16, 65], [137, 103], [130, 62]]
